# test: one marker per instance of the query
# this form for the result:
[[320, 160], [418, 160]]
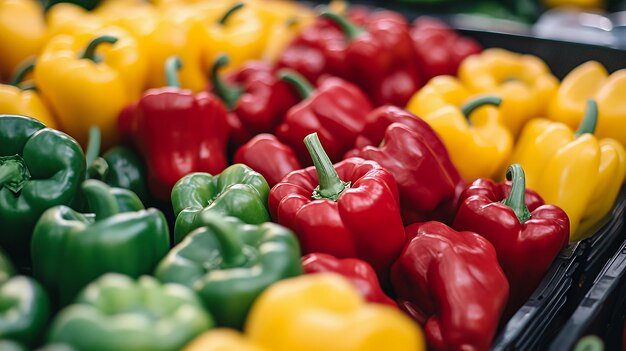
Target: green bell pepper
[[39, 168], [229, 263], [238, 191], [9, 345], [118, 313], [131, 243], [24, 308]]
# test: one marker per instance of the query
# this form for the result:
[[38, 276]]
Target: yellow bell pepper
[[222, 339], [26, 102], [574, 171], [325, 312], [592, 4], [591, 80], [478, 143], [88, 80], [22, 33], [524, 83], [70, 19]]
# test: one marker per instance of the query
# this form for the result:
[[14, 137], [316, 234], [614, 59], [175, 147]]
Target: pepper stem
[[589, 343], [589, 122], [295, 79], [100, 199], [236, 7], [517, 197], [21, 72], [232, 247], [473, 104], [349, 29], [172, 65], [93, 148], [228, 94], [330, 186], [90, 50], [13, 173]]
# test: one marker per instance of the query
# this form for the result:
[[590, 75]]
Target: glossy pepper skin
[[64, 238], [228, 263], [573, 170], [360, 273], [239, 192], [268, 156], [325, 311], [336, 110], [116, 312], [39, 168], [524, 83], [439, 49], [591, 80], [471, 127], [223, 339], [177, 132], [526, 239], [442, 278], [25, 306], [429, 189], [258, 99], [349, 210]]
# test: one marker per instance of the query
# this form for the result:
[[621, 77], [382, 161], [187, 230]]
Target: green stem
[[99, 169], [13, 173], [590, 343], [90, 50], [101, 200], [232, 246], [172, 65], [22, 71], [304, 88], [517, 197], [229, 94], [330, 186], [236, 7], [93, 148], [349, 29], [589, 122], [468, 108]]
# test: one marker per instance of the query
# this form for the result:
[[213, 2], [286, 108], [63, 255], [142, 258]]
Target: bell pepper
[[574, 171], [228, 263], [336, 110], [130, 242], [285, 20], [439, 49], [70, 19], [524, 83], [238, 192], [176, 132], [427, 188], [86, 4], [116, 312], [349, 210], [326, 312], [380, 57], [526, 239], [39, 168], [476, 138], [442, 279], [591, 80], [9, 345], [255, 95], [222, 339], [268, 156], [589, 4], [22, 33], [25, 101], [103, 81], [360, 273], [25, 306]]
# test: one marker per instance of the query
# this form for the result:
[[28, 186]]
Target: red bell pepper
[[359, 272], [526, 242], [268, 156], [349, 210], [429, 183], [452, 284], [258, 99], [380, 56], [336, 110], [176, 132], [440, 49]]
